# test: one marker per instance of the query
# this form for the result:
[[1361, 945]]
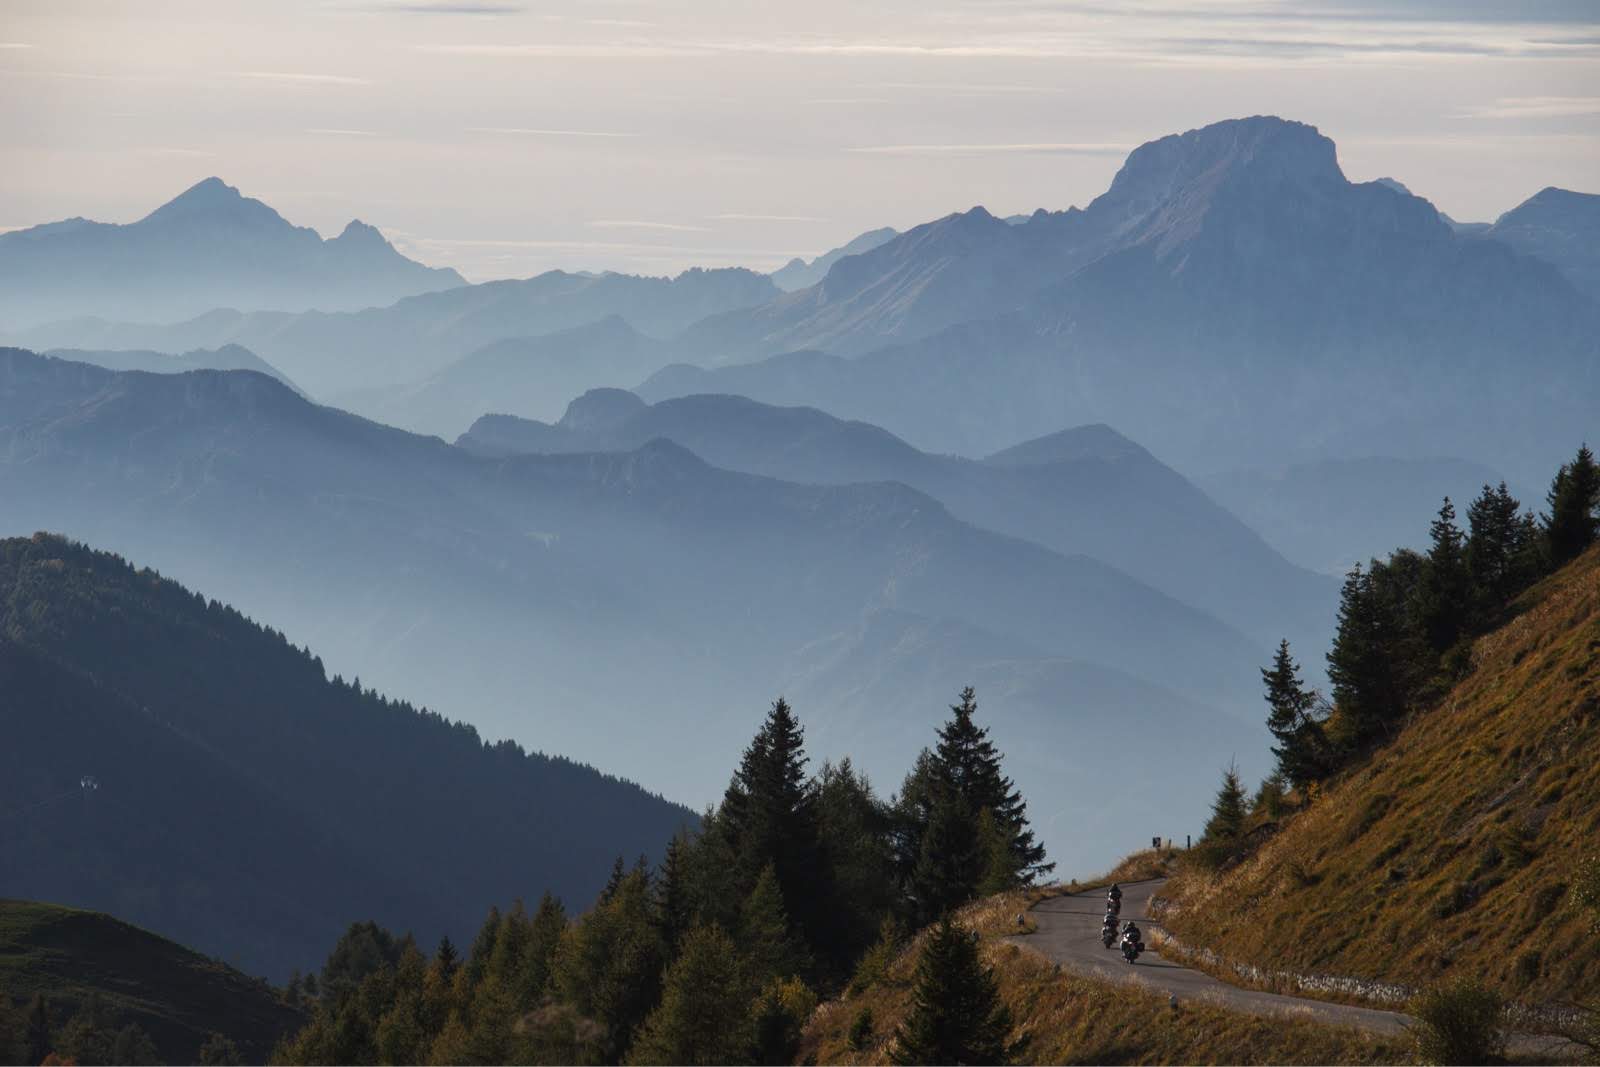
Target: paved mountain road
[[1069, 933]]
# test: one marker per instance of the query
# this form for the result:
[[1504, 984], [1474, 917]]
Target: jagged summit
[[214, 199]]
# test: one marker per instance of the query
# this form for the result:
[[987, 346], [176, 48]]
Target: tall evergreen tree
[[1444, 598], [1493, 544], [1301, 745], [674, 905], [703, 1017], [949, 865], [769, 946], [856, 846], [956, 1012], [544, 935], [1572, 524], [769, 816], [969, 764], [1367, 659], [1228, 810]]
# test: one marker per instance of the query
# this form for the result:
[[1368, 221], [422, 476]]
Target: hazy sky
[[505, 137]]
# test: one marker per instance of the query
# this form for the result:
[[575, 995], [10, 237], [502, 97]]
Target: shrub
[[1458, 1022], [861, 1029]]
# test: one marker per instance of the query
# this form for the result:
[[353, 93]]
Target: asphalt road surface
[[1069, 933]]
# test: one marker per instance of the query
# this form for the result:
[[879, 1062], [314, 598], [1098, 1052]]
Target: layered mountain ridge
[[209, 247]]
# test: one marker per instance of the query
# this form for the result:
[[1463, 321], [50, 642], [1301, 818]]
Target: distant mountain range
[[1231, 295], [361, 356], [1086, 491], [244, 803], [210, 247], [1559, 227], [228, 357], [802, 274], [637, 608]]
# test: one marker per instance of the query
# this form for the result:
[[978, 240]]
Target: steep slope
[[228, 357], [1088, 491], [1231, 295], [801, 274], [243, 802], [1454, 850], [176, 996], [1560, 227], [209, 247], [549, 598], [400, 345]]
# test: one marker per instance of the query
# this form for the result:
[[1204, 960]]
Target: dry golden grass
[[1454, 849], [1069, 1019]]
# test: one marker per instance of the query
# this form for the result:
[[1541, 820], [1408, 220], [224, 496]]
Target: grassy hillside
[[176, 996], [1455, 850], [1069, 1019]]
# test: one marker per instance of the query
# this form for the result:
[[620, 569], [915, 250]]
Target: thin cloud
[[328, 132], [643, 224], [308, 79], [1081, 148], [10, 45], [733, 216], [1536, 107], [526, 131], [443, 7]]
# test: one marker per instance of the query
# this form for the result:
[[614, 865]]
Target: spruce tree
[[769, 946], [956, 1013], [968, 763], [1572, 525], [1228, 810], [1367, 658], [769, 816], [674, 906], [703, 1015], [949, 865], [544, 934], [1301, 745], [1493, 543], [1444, 598]]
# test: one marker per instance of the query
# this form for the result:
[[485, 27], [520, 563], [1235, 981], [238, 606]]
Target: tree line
[[792, 887], [1405, 630]]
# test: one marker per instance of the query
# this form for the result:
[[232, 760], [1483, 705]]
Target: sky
[[506, 137]]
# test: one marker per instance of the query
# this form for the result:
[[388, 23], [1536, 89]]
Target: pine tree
[[956, 1013], [544, 934], [674, 907], [444, 958], [1572, 525], [1301, 747], [968, 762], [618, 872], [1365, 661], [769, 816], [949, 865], [854, 832], [1445, 595], [1493, 543], [1228, 810], [995, 873], [769, 946], [609, 964], [703, 1015]]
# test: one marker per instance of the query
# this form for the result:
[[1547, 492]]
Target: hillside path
[[1069, 933]]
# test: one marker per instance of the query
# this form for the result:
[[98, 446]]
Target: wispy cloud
[[1535, 107], [13, 45], [1081, 148], [444, 7], [643, 224], [301, 78], [526, 131], [196, 153], [733, 216], [328, 132]]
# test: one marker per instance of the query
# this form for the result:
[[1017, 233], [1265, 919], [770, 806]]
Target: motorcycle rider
[[1115, 892], [1130, 932]]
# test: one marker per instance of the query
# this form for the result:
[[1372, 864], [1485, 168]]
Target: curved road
[[1069, 933]]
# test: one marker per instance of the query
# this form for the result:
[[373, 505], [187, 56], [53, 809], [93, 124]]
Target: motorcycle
[[1113, 907], [1108, 936], [1131, 949]]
